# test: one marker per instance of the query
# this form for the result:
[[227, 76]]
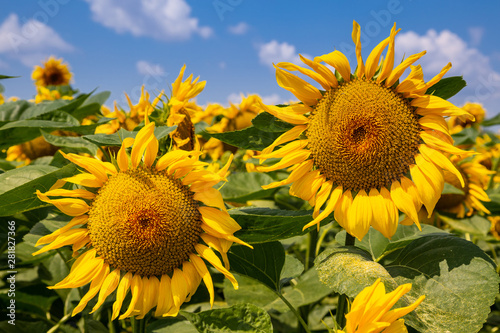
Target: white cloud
[[274, 52], [31, 42], [476, 35], [147, 68], [239, 29], [483, 82], [160, 19]]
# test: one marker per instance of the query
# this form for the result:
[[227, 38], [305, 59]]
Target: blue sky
[[119, 45]]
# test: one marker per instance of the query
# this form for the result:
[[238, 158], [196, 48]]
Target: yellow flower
[[355, 145], [30, 150], [476, 177], [456, 124], [53, 73], [144, 225], [234, 118], [44, 94], [2, 99], [181, 108], [495, 226], [128, 120], [370, 310]]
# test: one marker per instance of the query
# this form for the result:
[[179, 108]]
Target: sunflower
[[234, 118], [53, 73], [370, 310], [180, 109], [495, 226], [2, 99], [355, 145], [143, 226], [456, 124], [476, 177], [131, 119], [44, 94]]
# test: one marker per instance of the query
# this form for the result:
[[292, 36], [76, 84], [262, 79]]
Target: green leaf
[[263, 263], [238, 318], [244, 186], [447, 87], [379, 246], [450, 189], [293, 267], [475, 225], [261, 225], [267, 122], [169, 325], [116, 139], [73, 142], [306, 289], [24, 326], [347, 270], [18, 187], [248, 138], [492, 121], [91, 105], [2, 77], [458, 279], [467, 136]]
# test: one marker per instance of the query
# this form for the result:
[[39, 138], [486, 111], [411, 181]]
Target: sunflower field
[[368, 203]]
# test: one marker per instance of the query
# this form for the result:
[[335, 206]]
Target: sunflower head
[[370, 310], [53, 73], [476, 177], [367, 145], [457, 124], [143, 224]]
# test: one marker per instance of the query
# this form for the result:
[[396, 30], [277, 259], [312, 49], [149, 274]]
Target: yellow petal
[[109, 285], [136, 290], [179, 288], [210, 197], [94, 288], [78, 220], [77, 193], [122, 157], [331, 80], [427, 190], [356, 38], [389, 59], [71, 207], [436, 123], [406, 198], [200, 266], [142, 141], [437, 144], [85, 179], [192, 277], [219, 220], [292, 159], [66, 238], [435, 79], [85, 268], [339, 61], [435, 102], [209, 255], [440, 160], [342, 208], [121, 292], [92, 165], [150, 291], [297, 173], [289, 135], [312, 74], [400, 69], [304, 91], [321, 197], [374, 57], [330, 206], [165, 300], [171, 157], [359, 216]]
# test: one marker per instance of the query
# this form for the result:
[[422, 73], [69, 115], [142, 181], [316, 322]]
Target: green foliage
[[447, 87], [249, 138]]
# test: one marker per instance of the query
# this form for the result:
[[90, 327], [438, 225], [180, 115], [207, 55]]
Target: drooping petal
[[210, 197], [150, 293], [219, 220], [330, 206], [109, 285], [360, 215], [85, 179], [356, 38], [136, 290], [406, 198], [427, 189], [200, 266], [342, 209], [71, 207], [78, 220], [121, 292], [209, 255], [437, 144], [165, 300], [94, 288], [339, 61], [293, 158], [289, 135], [66, 238]]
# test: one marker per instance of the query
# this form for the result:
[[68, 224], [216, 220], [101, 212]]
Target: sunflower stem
[[493, 168], [135, 325], [303, 327], [342, 306], [310, 255]]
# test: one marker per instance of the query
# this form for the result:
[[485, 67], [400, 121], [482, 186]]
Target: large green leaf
[[447, 87], [245, 186], [263, 263], [91, 105], [306, 289], [458, 279], [116, 139], [73, 142], [238, 318], [18, 187], [260, 225], [248, 138], [475, 225], [379, 246], [347, 270], [269, 123], [492, 121]]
